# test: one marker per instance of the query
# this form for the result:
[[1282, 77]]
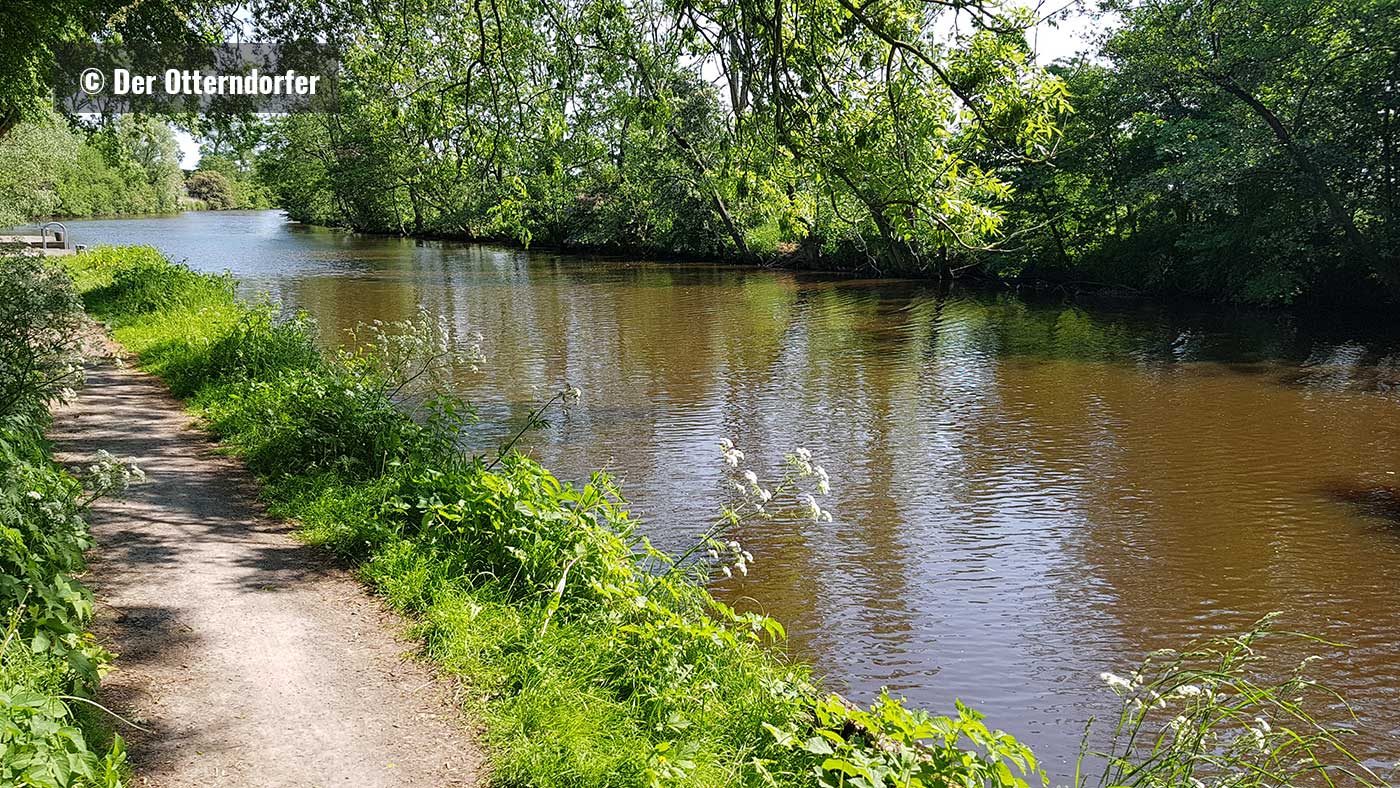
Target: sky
[[1051, 41]]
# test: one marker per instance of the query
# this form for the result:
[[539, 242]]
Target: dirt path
[[251, 657]]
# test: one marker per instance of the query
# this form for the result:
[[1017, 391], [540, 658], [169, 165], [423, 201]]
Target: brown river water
[[1024, 493]]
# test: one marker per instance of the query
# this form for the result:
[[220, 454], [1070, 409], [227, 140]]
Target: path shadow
[[141, 637]]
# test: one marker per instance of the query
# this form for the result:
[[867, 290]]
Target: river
[[1026, 492]]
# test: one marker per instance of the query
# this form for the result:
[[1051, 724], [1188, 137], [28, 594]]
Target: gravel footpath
[[253, 659]]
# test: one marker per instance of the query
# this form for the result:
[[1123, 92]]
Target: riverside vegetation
[[50, 168], [50, 731], [593, 658], [1243, 150]]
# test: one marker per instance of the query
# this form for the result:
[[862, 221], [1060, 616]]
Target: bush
[[46, 655], [152, 285], [211, 188], [39, 319]]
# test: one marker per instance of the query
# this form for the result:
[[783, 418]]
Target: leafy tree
[[34, 31], [212, 188], [48, 168], [871, 133], [32, 160], [1241, 148]]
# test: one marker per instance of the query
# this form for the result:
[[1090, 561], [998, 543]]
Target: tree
[[33, 160], [1313, 73], [869, 132], [213, 189]]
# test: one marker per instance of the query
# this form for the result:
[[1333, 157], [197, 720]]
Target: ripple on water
[[1026, 493]]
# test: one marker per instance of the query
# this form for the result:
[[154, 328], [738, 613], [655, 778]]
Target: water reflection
[[1026, 492]]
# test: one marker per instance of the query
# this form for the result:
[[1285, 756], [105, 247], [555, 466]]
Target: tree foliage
[[34, 32], [871, 132], [1243, 148], [48, 168]]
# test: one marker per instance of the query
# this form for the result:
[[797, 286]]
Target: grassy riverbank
[[592, 658]]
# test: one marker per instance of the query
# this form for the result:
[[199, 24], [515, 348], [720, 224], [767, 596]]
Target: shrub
[[211, 188], [39, 320], [144, 285], [46, 655]]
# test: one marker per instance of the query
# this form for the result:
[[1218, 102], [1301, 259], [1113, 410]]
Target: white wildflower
[[1116, 683], [34, 495], [751, 477]]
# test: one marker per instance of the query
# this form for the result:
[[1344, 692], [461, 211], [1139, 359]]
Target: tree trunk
[[1387, 269], [735, 234]]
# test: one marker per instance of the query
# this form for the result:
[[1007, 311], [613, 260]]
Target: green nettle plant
[[1212, 716]]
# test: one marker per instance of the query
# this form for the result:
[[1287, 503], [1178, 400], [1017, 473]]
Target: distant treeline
[[50, 167]]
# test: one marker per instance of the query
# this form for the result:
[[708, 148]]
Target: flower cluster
[[415, 357], [800, 460], [758, 500], [111, 475], [730, 553], [732, 456]]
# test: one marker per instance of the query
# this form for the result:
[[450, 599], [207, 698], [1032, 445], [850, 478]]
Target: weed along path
[[251, 659]]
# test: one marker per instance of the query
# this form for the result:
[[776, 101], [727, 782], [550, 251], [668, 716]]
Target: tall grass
[[594, 659]]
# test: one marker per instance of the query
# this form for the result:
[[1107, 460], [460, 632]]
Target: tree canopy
[[870, 132], [1245, 149]]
